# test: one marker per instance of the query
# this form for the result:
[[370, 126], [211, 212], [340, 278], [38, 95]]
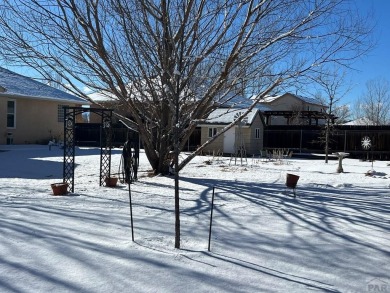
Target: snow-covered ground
[[334, 237]]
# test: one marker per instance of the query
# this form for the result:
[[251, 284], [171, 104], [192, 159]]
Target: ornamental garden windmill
[[366, 145]]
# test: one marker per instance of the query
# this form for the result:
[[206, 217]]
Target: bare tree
[[151, 54], [374, 104], [342, 113], [173, 62], [332, 88]]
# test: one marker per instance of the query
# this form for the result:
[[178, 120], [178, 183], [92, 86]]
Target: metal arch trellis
[[70, 114]]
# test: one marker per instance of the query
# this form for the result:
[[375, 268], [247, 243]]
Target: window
[[257, 133], [11, 114], [212, 131], [60, 112]]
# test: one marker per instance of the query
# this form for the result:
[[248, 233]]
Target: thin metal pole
[[211, 218], [300, 142], [131, 212]]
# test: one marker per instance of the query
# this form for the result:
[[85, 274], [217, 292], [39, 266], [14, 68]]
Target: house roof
[[19, 86], [270, 99], [360, 121], [229, 100], [228, 115], [102, 96], [240, 102]]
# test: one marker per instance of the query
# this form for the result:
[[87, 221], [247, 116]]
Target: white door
[[228, 140]]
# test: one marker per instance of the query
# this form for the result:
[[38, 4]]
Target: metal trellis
[[70, 115]]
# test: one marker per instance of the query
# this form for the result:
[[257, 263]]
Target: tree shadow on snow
[[345, 221], [257, 227], [35, 163]]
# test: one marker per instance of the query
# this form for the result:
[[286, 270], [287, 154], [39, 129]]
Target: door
[[228, 140]]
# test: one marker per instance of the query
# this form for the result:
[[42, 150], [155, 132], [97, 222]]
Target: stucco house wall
[[38, 110], [216, 146], [290, 102], [256, 143], [37, 122]]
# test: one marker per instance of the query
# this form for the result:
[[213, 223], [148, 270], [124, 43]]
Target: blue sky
[[377, 63]]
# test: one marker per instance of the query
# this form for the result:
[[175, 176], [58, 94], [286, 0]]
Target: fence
[[345, 138], [88, 134]]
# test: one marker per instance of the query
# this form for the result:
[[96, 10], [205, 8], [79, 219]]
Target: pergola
[[309, 115], [70, 114]]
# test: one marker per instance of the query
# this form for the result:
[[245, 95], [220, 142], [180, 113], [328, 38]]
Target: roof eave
[[63, 100], [216, 124]]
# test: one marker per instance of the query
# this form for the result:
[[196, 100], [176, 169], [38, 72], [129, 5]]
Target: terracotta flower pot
[[59, 188], [292, 180], [111, 181]]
